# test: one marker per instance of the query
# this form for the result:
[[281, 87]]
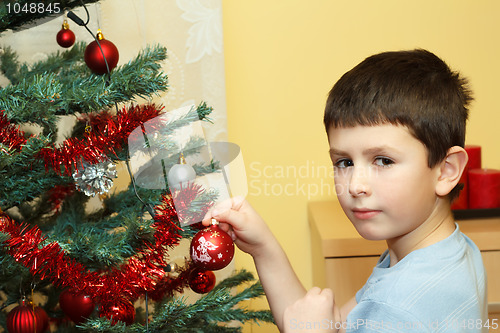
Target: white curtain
[[192, 32]]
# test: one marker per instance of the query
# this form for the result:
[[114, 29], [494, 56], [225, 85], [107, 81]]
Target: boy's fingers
[[230, 216], [327, 292], [207, 219], [232, 203], [237, 202], [219, 211], [314, 291]]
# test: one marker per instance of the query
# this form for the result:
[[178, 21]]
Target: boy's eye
[[383, 161], [344, 163]]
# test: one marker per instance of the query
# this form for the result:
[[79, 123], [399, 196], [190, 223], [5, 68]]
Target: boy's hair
[[412, 88]]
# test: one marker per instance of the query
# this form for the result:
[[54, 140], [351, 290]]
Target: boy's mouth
[[365, 213]]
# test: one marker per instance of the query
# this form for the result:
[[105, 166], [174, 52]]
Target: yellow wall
[[283, 56]]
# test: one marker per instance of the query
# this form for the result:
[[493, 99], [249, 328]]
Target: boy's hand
[[251, 234], [248, 230], [315, 312]]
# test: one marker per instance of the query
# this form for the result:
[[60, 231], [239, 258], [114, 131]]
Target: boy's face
[[382, 179]]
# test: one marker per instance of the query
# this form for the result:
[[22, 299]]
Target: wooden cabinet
[[343, 260]]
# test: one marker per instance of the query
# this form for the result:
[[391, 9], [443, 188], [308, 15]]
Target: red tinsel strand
[[144, 270], [10, 134], [107, 135], [126, 119], [24, 245], [184, 198], [141, 273], [71, 153], [104, 126], [57, 196]]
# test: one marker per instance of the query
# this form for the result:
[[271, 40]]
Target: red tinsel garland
[[10, 134], [129, 281], [107, 134]]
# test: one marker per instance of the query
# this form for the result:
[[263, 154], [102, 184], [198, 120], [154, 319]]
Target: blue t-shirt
[[439, 288]]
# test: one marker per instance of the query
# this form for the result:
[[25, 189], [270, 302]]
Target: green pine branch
[[42, 95], [12, 274], [64, 63], [9, 64], [23, 176], [208, 314], [26, 186], [105, 242], [113, 234]]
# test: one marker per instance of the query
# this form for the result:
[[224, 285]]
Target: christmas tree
[[92, 266]]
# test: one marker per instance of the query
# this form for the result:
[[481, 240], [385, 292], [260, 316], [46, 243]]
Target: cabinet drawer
[[491, 260]]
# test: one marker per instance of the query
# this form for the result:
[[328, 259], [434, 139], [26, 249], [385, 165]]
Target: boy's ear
[[451, 169]]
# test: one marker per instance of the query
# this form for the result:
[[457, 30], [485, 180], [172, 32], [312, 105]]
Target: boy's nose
[[358, 184]]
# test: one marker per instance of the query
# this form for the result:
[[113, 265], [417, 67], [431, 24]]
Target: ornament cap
[[99, 35], [214, 222], [182, 159], [25, 301], [65, 25], [171, 268]]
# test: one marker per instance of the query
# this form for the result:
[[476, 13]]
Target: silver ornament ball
[[180, 175]]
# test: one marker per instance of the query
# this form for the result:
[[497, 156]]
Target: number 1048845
[[33, 8]]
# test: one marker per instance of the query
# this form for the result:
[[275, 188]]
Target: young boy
[[396, 128]]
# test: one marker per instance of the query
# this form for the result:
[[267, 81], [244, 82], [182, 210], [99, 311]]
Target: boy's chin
[[370, 232]]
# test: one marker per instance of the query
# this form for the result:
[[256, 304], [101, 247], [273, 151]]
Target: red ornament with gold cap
[[212, 248], [94, 57], [27, 318], [65, 37]]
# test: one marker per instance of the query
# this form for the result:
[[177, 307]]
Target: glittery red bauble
[[77, 307], [201, 281], [65, 37], [22, 320], [94, 59], [212, 248], [122, 310]]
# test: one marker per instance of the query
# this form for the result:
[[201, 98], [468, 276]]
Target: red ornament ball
[[212, 248], [94, 59], [22, 319], [201, 281], [65, 37], [77, 307], [122, 310]]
